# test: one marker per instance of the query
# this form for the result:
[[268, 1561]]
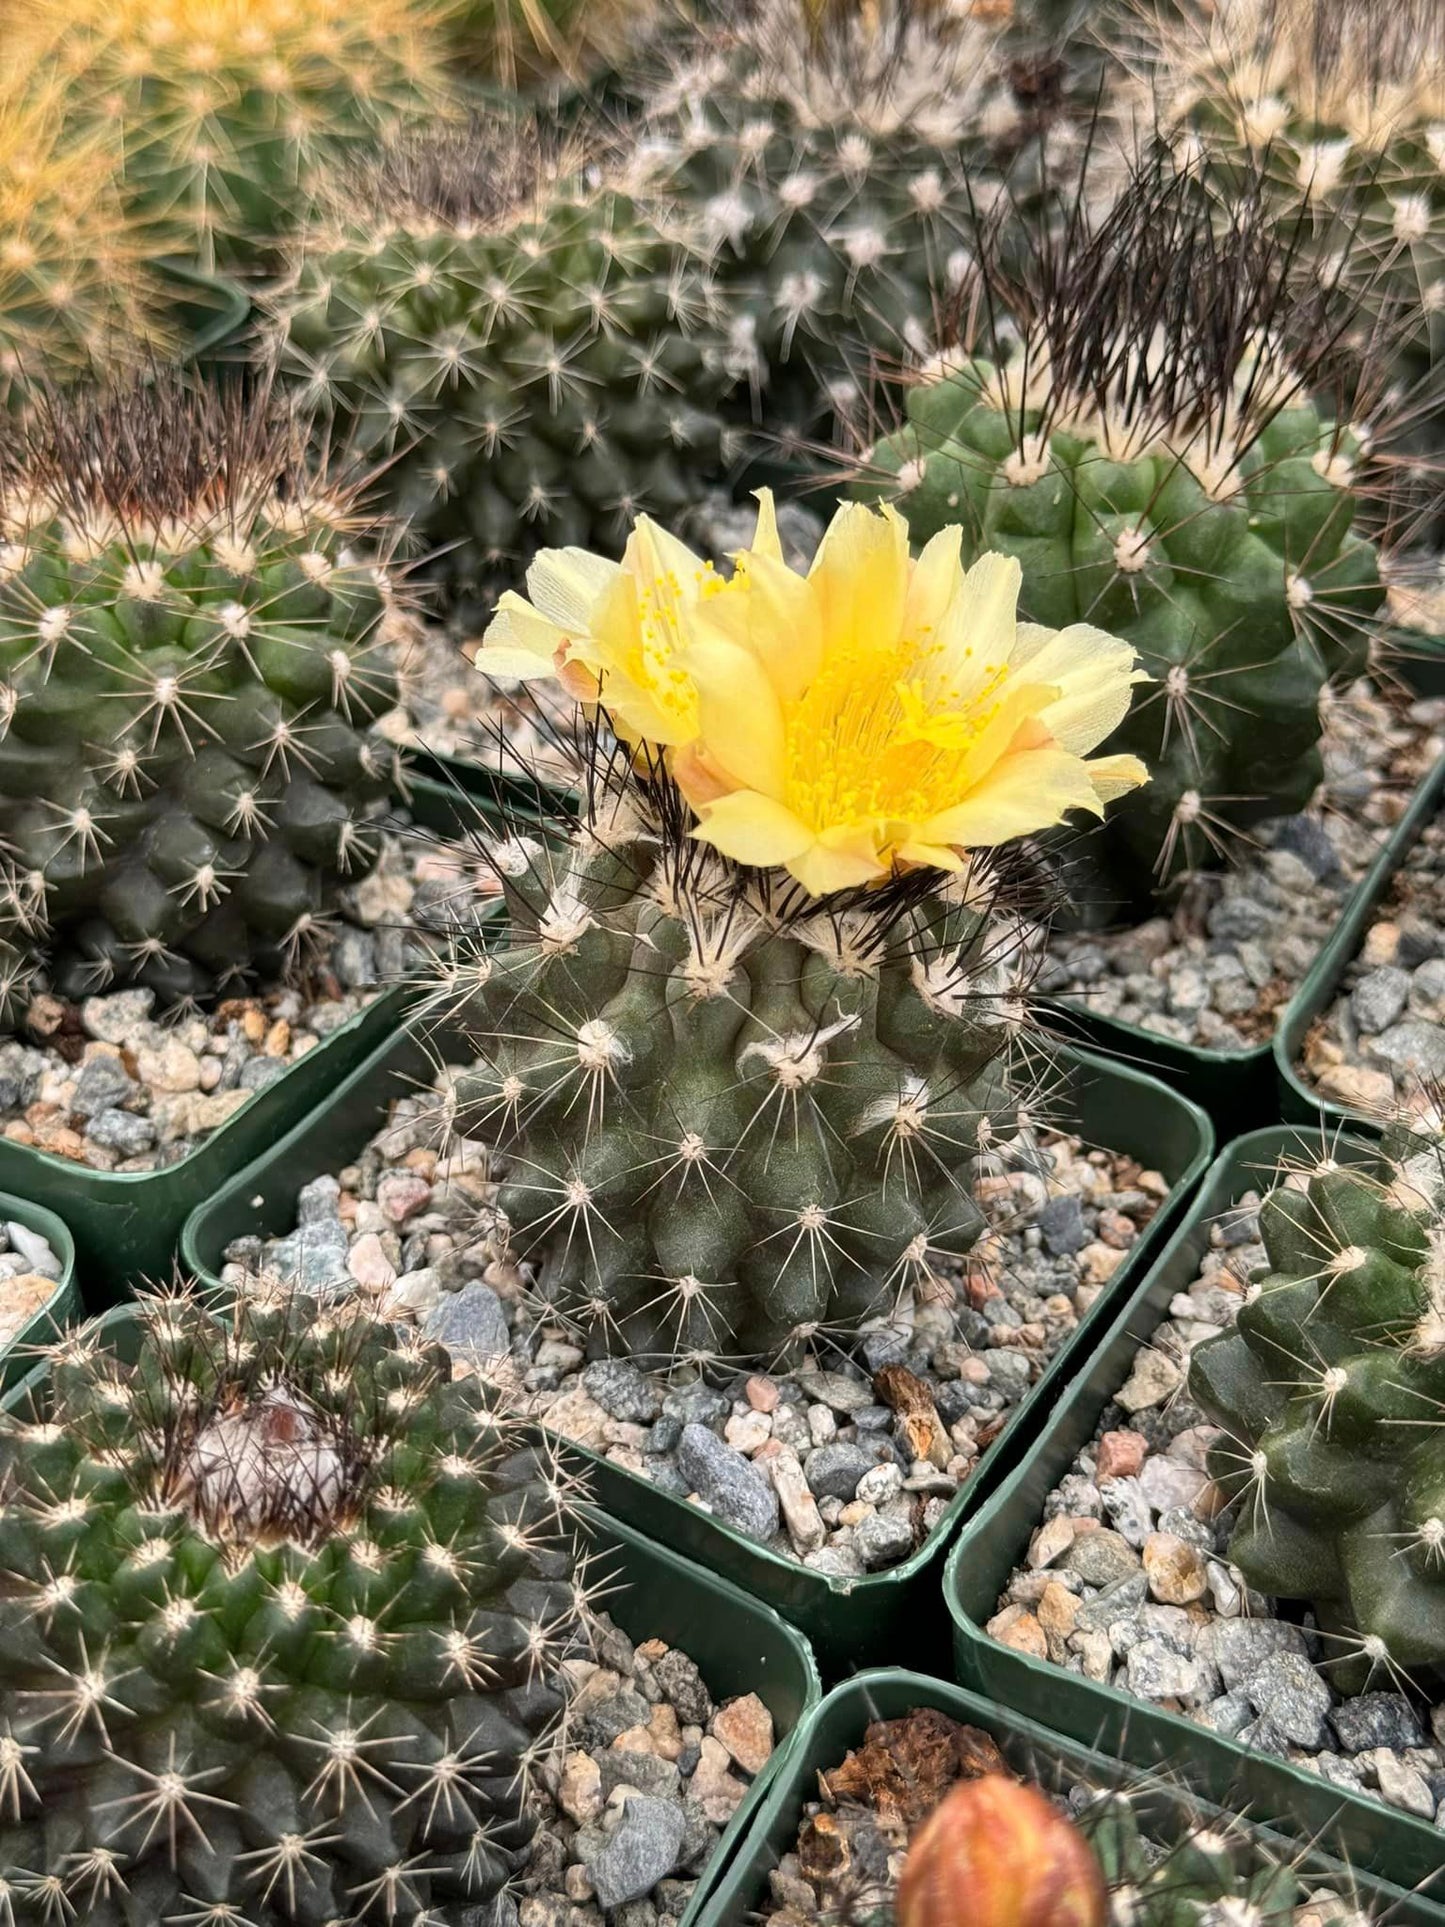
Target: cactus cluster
[[528, 350], [225, 109], [1343, 101], [837, 156], [526, 43], [75, 290], [1329, 1391], [281, 1604], [191, 656], [1133, 407]]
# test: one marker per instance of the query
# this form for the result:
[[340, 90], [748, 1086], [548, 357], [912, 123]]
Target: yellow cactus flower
[[881, 711], [875, 712], [611, 632]]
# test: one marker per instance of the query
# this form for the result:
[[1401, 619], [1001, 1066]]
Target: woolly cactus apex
[[1132, 407], [837, 155], [74, 292], [531, 348], [281, 1603], [191, 658], [1343, 103], [226, 109], [1329, 1391]]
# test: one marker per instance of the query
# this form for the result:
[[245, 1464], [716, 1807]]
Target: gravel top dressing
[[117, 1083], [847, 1463], [1380, 1046], [1217, 969], [1128, 1582]]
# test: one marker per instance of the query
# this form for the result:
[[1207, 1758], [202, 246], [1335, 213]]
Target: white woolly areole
[[797, 1060]]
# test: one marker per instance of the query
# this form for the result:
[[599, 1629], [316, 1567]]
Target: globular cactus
[[282, 1603], [1343, 101], [226, 110], [528, 349], [1329, 1391], [762, 1009], [837, 155], [76, 296], [191, 656], [1133, 408], [528, 43]]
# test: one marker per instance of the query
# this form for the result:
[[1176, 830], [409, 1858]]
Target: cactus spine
[[281, 1604]]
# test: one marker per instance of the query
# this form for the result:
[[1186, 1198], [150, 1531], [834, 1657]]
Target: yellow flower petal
[[1115, 776], [839, 860], [518, 642], [738, 714], [565, 584], [766, 540], [860, 577], [937, 575], [1021, 796], [1095, 675], [753, 829]]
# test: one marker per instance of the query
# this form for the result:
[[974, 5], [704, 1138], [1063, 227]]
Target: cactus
[[1134, 413], [1344, 102], [756, 1026], [837, 155], [190, 659], [526, 42], [529, 350], [75, 295], [281, 1605], [1328, 1391], [226, 109]]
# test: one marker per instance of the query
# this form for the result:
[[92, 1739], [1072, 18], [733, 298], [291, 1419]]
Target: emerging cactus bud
[[999, 1854]]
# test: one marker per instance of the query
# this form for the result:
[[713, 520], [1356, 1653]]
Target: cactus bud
[[999, 1854]]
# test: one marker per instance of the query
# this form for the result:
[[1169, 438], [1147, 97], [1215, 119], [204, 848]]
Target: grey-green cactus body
[[1329, 1392], [724, 1138], [277, 1605], [187, 771], [1242, 580], [532, 382]]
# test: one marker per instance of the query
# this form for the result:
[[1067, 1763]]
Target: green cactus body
[[1242, 580], [226, 109], [190, 661], [1203, 1876], [838, 184], [534, 364], [279, 1605], [1328, 1392], [730, 1132]]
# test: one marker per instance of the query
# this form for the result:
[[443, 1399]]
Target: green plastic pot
[[1164, 1811], [126, 1223], [1241, 1088], [1396, 1845], [63, 1307], [1298, 1099], [739, 1645], [851, 1622]]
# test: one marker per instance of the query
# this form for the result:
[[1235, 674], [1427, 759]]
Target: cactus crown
[[281, 1603], [1329, 1392]]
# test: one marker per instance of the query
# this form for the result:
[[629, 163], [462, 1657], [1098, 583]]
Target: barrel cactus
[[75, 292], [191, 656], [765, 1009], [1328, 1392], [529, 351], [530, 42], [281, 1604], [1344, 104], [226, 109], [838, 156], [1134, 413]]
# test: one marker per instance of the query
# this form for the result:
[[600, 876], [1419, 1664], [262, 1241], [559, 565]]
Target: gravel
[[29, 1274], [1216, 971], [630, 1814], [1379, 1046], [117, 1084], [846, 1464], [1161, 1614]]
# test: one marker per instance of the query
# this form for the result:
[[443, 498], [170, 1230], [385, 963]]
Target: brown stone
[[745, 1727], [1015, 1626], [1175, 1569], [1120, 1456]]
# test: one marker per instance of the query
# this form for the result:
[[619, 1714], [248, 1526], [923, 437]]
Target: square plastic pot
[[851, 1622], [739, 1645], [1298, 1099], [126, 1224], [1241, 1088], [1164, 1812], [17, 1359], [1370, 1834]]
